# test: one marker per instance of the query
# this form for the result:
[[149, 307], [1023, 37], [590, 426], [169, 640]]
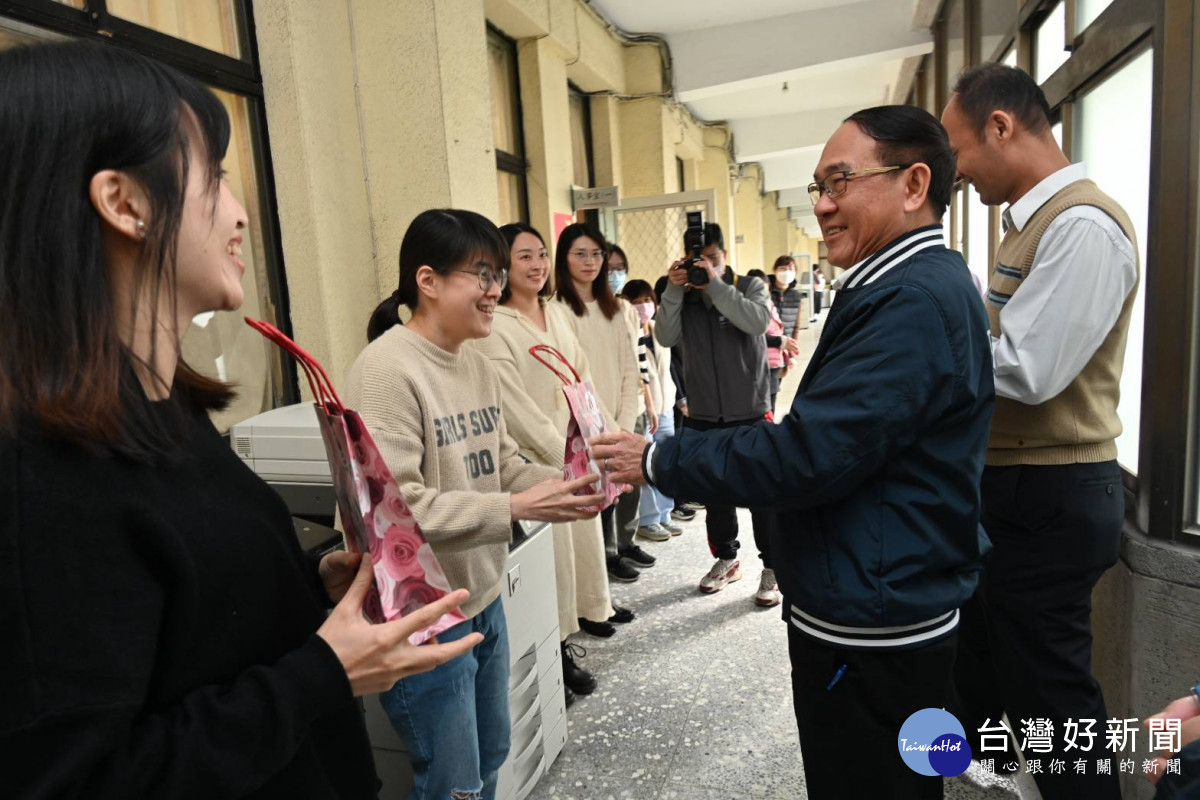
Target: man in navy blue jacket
[[884, 446]]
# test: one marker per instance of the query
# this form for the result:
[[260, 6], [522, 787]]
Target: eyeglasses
[[835, 185], [584, 255], [487, 276]]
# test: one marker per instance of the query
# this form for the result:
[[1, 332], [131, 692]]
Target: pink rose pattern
[[586, 421], [378, 521]]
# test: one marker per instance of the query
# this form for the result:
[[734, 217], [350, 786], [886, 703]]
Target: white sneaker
[[726, 570], [655, 533], [671, 528], [768, 594]]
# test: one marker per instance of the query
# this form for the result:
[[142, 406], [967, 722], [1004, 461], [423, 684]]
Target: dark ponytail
[[385, 315], [441, 239]]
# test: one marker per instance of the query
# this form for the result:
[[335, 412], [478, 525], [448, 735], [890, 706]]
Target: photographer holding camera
[[718, 325]]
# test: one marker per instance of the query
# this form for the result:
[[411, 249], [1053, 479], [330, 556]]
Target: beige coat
[[611, 346], [536, 415]]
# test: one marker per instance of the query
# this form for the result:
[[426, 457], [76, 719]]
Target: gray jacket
[[720, 333]]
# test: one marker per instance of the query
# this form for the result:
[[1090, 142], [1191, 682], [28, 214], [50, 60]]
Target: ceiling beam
[[715, 61], [797, 199], [765, 137]]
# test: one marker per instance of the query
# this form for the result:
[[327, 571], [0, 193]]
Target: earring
[[141, 228]]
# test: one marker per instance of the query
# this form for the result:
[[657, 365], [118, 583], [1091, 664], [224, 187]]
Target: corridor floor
[[694, 697]]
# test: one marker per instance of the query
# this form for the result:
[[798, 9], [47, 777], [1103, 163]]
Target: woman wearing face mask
[[618, 268], [787, 300], [536, 413], [435, 408], [654, 518], [777, 353], [607, 328], [166, 637], [618, 273]]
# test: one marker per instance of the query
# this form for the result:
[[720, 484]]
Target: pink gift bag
[[374, 515], [587, 420]]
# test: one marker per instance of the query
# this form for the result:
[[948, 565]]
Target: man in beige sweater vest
[[1059, 303]]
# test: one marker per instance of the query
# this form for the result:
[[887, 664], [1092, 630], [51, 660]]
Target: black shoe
[[601, 629], [683, 514], [640, 558], [568, 696], [621, 615], [692, 505], [575, 678], [621, 569]]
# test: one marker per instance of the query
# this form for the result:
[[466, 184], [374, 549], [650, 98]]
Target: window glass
[[952, 225], [208, 23], [1086, 12], [1010, 58], [220, 344], [512, 196], [13, 33], [1113, 139], [581, 140], [1050, 44], [978, 254], [502, 62], [929, 87]]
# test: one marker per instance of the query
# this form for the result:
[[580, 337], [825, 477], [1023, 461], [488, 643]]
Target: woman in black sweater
[[166, 637]]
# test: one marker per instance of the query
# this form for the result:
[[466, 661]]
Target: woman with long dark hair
[[437, 411], [607, 327], [536, 413], [165, 635]]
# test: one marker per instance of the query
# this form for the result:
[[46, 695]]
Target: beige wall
[[378, 111]]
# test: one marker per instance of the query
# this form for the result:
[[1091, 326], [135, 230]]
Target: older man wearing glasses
[[884, 448]]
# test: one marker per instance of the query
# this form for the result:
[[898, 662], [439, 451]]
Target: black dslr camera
[[694, 241]]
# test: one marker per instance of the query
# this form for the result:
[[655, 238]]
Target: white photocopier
[[284, 447]]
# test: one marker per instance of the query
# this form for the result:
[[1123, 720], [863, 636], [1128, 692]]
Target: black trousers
[[721, 521], [1025, 641], [618, 520], [848, 733]]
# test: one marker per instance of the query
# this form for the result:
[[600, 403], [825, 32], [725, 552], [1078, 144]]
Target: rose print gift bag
[[587, 420], [376, 520]]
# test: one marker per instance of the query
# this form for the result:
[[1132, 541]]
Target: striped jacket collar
[[873, 267]]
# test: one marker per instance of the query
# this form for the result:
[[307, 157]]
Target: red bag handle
[[537, 349], [318, 380]]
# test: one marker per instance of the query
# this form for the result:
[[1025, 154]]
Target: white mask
[[785, 277]]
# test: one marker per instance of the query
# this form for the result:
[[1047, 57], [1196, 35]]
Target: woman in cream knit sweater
[[607, 327], [536, 413]]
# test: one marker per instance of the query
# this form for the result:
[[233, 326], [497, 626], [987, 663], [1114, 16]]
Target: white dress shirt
[[1056, 320]]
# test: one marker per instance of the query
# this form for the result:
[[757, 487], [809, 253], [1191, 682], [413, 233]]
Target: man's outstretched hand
[[620, 456]]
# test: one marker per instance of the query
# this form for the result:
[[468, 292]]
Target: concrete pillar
[[606, 141], [747, 253], [308, 66], [378, 112], [426, 118], [545, 108], [647, 148], [716, 172]]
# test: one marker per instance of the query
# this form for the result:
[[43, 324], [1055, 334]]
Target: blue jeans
[[656, 507], [435, 712]]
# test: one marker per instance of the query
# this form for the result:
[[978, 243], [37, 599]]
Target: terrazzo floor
[[694, 697]]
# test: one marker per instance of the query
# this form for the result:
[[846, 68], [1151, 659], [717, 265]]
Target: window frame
[[1163, 500], [241, 76]]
